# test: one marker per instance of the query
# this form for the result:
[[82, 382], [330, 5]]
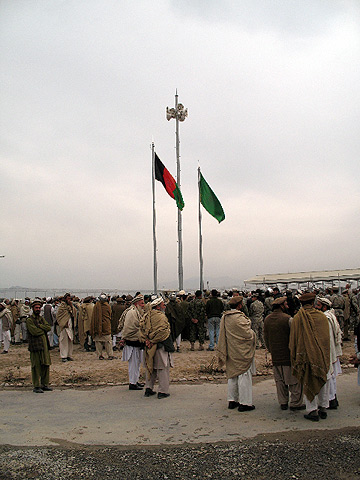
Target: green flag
[[209, 200]]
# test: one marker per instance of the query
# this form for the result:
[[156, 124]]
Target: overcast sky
[[272, 90]]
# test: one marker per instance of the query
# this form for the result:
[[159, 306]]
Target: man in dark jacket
[[174, 313], [198, 316], [37, 328], [214, 309], [276, 336]]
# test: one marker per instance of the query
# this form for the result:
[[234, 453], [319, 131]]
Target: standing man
[[184, 309], [276, 336], [256, 312], [100, 329], [133, 349], [276, 293], [176, 319], [155, 331], [25, 311], [268, 302], [198, 316], [48, 313], [214, 308], [351, 313], [85, 314], [15, 328], [6, 323], [338, 304], [65, 319], [117, 309], [236, 350], [310, 356], [37, 329], [324, 305]]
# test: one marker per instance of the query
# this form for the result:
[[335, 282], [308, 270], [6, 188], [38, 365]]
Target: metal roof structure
[[305, 277]]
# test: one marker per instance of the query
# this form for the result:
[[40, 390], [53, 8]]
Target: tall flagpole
[[180, 249], [154, 219], [200, 240], [179, 113]]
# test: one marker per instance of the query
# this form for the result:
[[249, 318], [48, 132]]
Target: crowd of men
[[303, 331]]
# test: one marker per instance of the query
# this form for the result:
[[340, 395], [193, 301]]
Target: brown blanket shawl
[[101, 319], [309, 346], [237, 342], [84, 323], [155, 327]]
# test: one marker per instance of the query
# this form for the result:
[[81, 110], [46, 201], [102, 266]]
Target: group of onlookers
[[305, 346], [191, 316], [303, 331]]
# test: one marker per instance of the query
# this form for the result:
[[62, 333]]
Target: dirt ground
[[87, 371]]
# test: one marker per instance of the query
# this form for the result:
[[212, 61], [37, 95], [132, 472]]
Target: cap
[[157, 301], [235, 300], [279, 301]]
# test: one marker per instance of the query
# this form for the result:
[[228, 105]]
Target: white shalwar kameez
[[240, 387], [133, 355], [335, 351]]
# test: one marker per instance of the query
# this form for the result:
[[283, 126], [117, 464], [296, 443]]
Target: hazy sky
[[272, 90]]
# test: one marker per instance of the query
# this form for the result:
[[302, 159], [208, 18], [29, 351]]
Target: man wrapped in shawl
[[236, 350], [100, 328], [129, 326], [324, 305], [65, 317], [309, 346], [176, 319], [155, 330]]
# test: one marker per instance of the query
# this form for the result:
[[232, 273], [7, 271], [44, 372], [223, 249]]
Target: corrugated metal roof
[[302, 277]]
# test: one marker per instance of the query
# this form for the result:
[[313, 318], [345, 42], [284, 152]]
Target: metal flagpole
[[179, 113], [180, 260], [200, 240], [154, 219]]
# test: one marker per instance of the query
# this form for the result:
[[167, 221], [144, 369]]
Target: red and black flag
[[164, 176]]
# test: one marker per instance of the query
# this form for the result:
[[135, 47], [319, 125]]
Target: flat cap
[[235, 300], [306, 297], [279, 301]]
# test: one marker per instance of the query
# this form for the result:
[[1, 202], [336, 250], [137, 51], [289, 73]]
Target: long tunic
[[6, 317], [38, 327]]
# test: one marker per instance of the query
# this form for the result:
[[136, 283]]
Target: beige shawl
[[309, 346], [130, 319], [237, 342], [155, 327], [86, 313], [64, 314]]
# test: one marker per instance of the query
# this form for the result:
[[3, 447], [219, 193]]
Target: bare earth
[[87, 371]]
